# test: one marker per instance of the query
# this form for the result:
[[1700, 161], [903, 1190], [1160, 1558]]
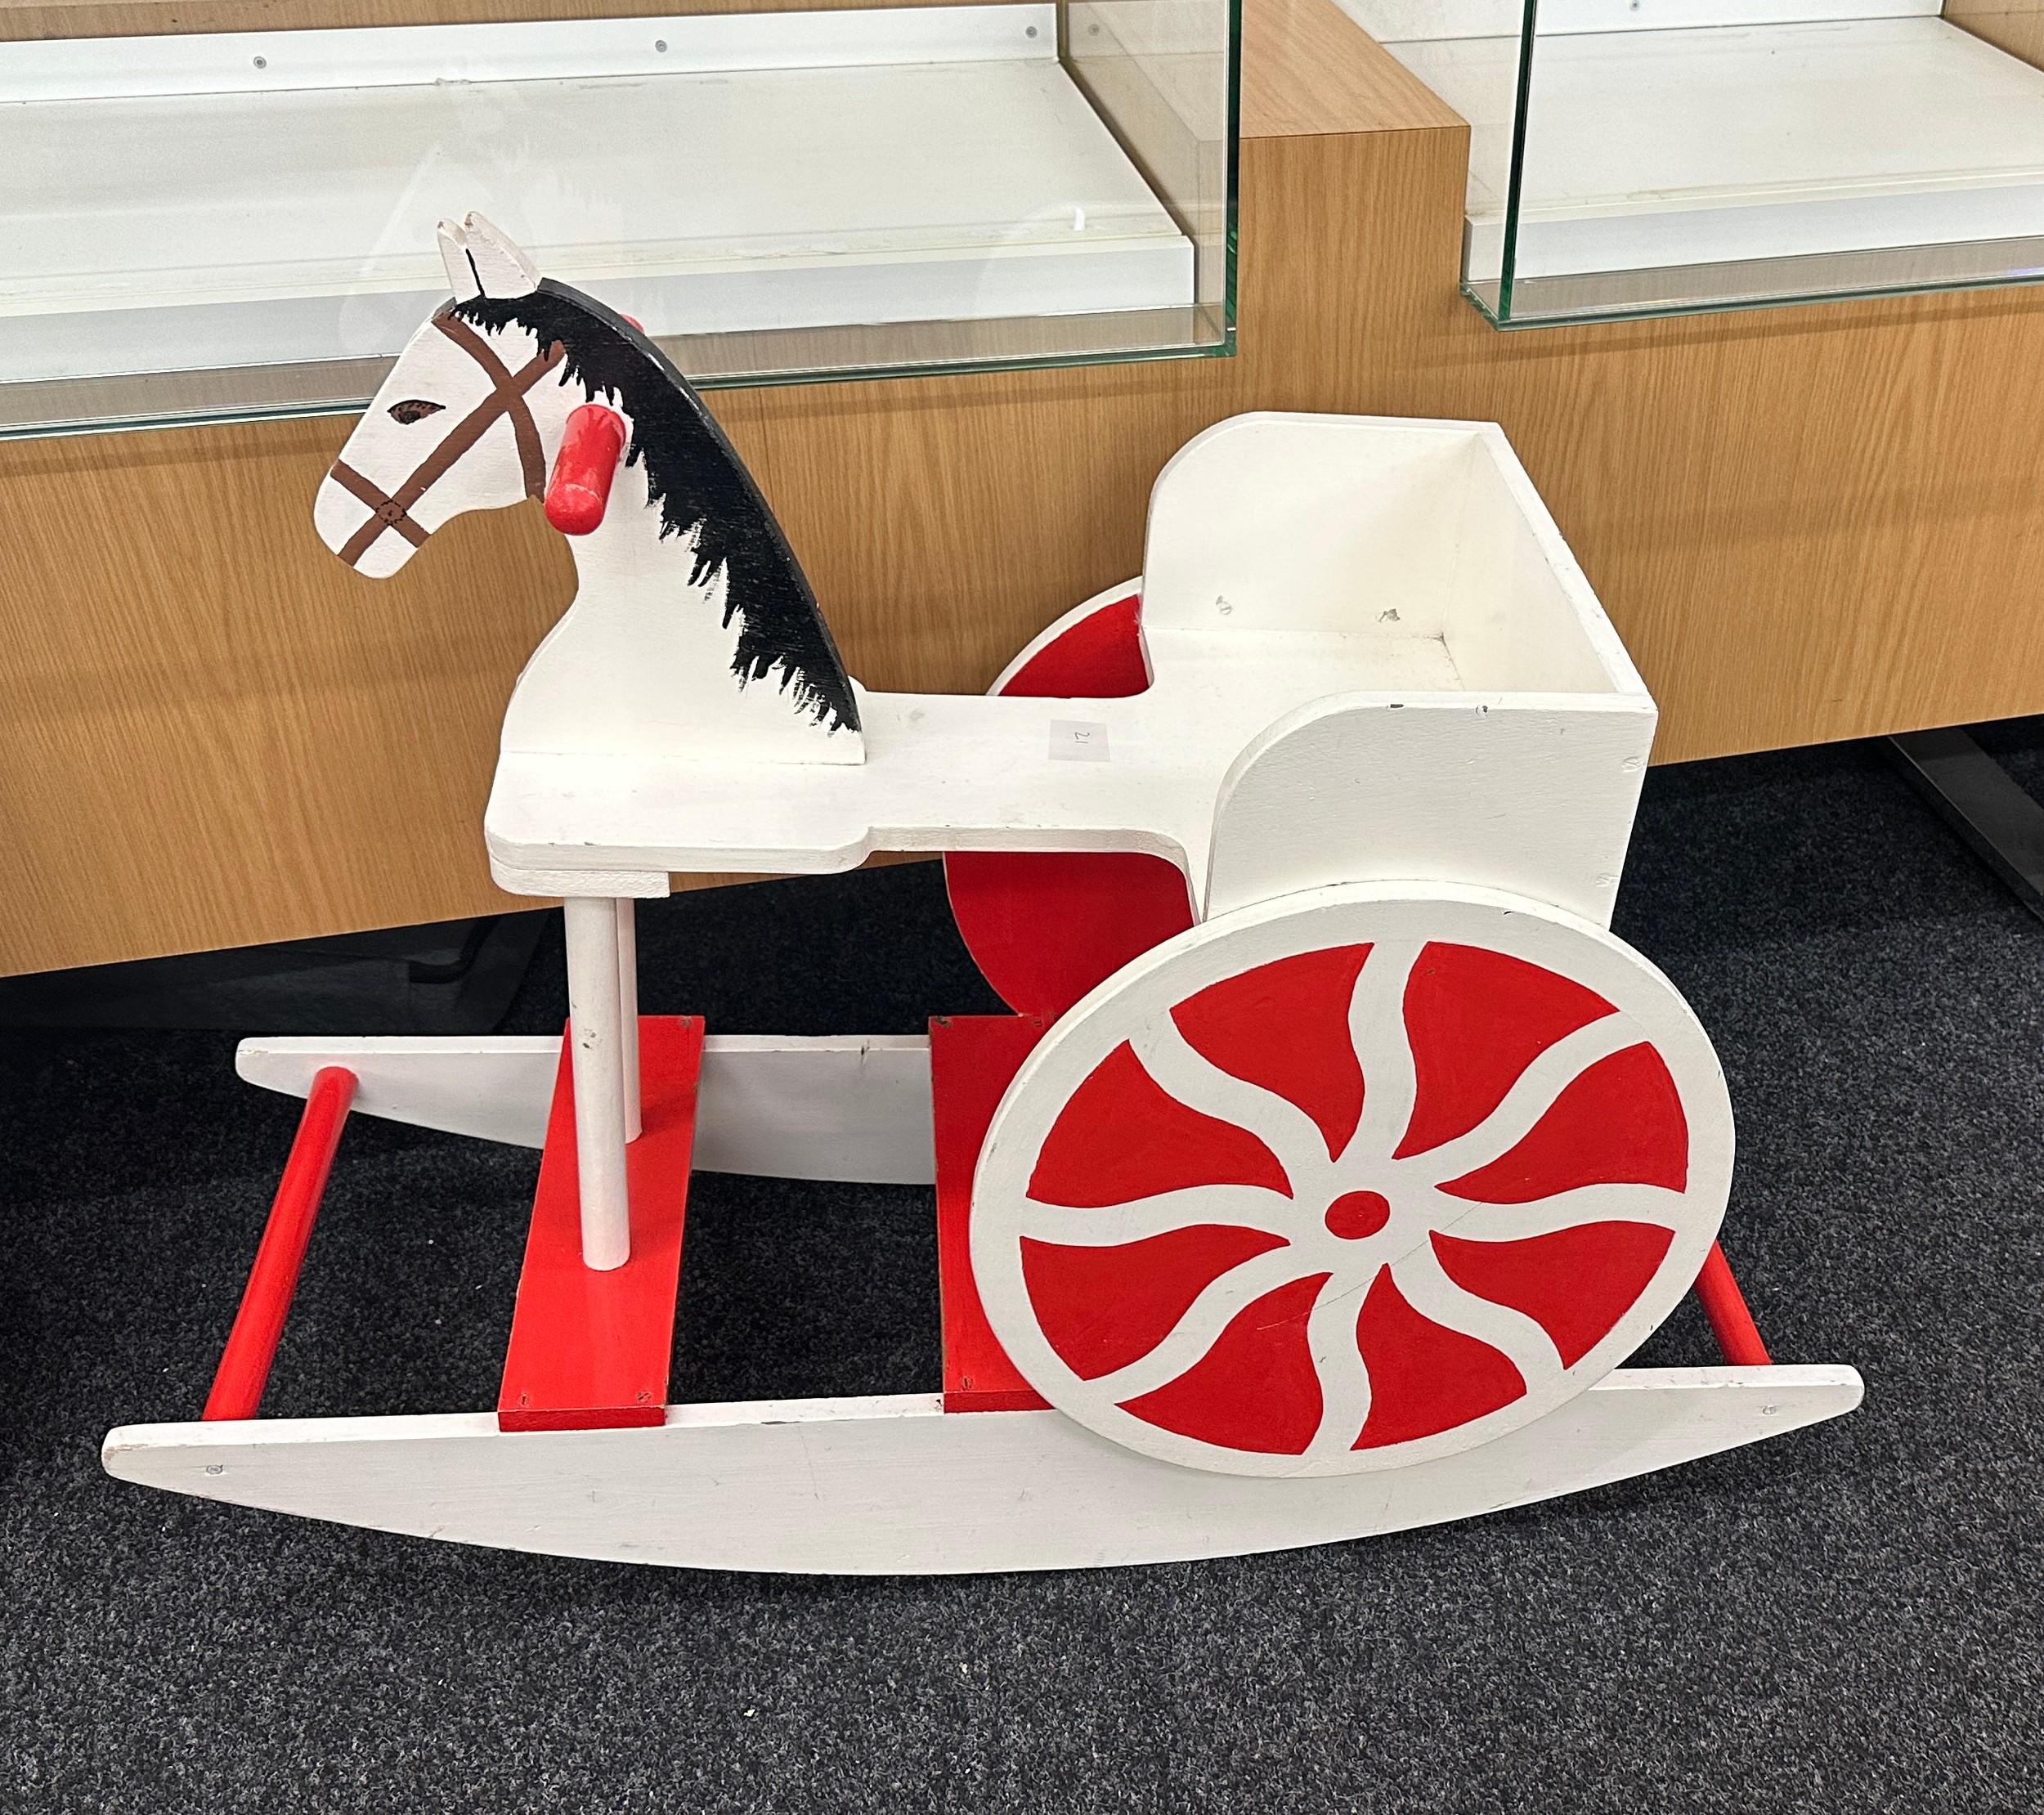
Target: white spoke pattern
[[1243, 1206], [1297, 1390], [1376, 1027], [1204, 1319], [1513, 1334], [1528, 1100], [1508, 1222], [1282, 1127], [1345, 1387]]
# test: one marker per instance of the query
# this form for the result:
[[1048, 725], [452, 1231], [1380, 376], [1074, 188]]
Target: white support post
[[628, 1010], [599, 1083]]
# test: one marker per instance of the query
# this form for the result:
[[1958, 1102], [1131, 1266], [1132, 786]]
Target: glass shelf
[[230, 224], [1657, 157]]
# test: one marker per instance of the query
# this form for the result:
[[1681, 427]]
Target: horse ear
[[454, 254], [482, 260], [503, 270]]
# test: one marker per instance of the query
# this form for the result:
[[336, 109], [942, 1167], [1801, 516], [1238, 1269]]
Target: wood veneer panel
[[1810, 523], [214, 736], [1307, 68], [2016, 26]]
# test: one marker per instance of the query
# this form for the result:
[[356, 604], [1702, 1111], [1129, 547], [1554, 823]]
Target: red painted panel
[[1121, 1136], [1423, 1376], [1283, 1027], [1574, 1283], [591, 1351], [1101, 1308], [1100, 657], [1620, 1122], [1476, 1020], [1046, 926], [1257, 1388], [972, 1060]]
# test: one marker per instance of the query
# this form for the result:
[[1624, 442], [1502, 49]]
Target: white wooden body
[[1372, 657], [896, 1486]]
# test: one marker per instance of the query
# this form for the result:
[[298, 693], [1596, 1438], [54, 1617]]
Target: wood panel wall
[[1810, 523]]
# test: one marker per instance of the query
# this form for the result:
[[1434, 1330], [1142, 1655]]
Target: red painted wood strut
[[1738, 1337], [252, 1344]]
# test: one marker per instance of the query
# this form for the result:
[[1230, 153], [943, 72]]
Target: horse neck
[[624, 556], [642, 662]]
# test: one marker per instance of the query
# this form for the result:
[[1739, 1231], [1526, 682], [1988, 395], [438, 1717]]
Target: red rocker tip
[[579, 489]]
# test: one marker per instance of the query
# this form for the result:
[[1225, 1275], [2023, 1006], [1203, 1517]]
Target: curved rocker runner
[[1334, 1157]]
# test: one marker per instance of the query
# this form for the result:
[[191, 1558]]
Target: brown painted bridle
[[392, 510]]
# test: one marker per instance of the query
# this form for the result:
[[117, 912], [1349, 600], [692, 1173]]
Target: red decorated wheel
[[1350, 1180]]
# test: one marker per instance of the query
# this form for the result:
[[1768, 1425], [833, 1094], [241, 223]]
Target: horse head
[[467, 420], [520, 386]]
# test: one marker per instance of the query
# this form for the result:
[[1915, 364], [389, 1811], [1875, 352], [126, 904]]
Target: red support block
[[1046, 926], [973, 1058], [252, 1344], [591, 1351]]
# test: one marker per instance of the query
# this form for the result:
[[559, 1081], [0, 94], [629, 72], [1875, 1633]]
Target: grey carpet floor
[[1845, 1619]]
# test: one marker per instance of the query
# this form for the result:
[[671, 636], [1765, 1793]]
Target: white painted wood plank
[[496, 1087], [895, 1486], [167, 231], [1339, 792], [1384, 527], [853, 1107], [628, 1016], [967, 774]]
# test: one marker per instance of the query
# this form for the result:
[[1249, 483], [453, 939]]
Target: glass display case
[[238, 221], [1652, 157]]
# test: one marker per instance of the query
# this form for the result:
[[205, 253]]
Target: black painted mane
[[702, 488]]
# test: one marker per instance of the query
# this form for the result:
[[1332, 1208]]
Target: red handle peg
[[579, 489]]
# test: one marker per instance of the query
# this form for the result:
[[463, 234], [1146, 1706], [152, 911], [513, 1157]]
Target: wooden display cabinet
[[1807, 523]]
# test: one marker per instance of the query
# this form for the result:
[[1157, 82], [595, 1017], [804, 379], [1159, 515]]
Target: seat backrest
[[1485, 725], [1275, 522]]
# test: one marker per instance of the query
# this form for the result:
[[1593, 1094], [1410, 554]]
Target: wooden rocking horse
[[1335, 1156]]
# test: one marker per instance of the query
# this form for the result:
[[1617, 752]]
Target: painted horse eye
[[413, 409]]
